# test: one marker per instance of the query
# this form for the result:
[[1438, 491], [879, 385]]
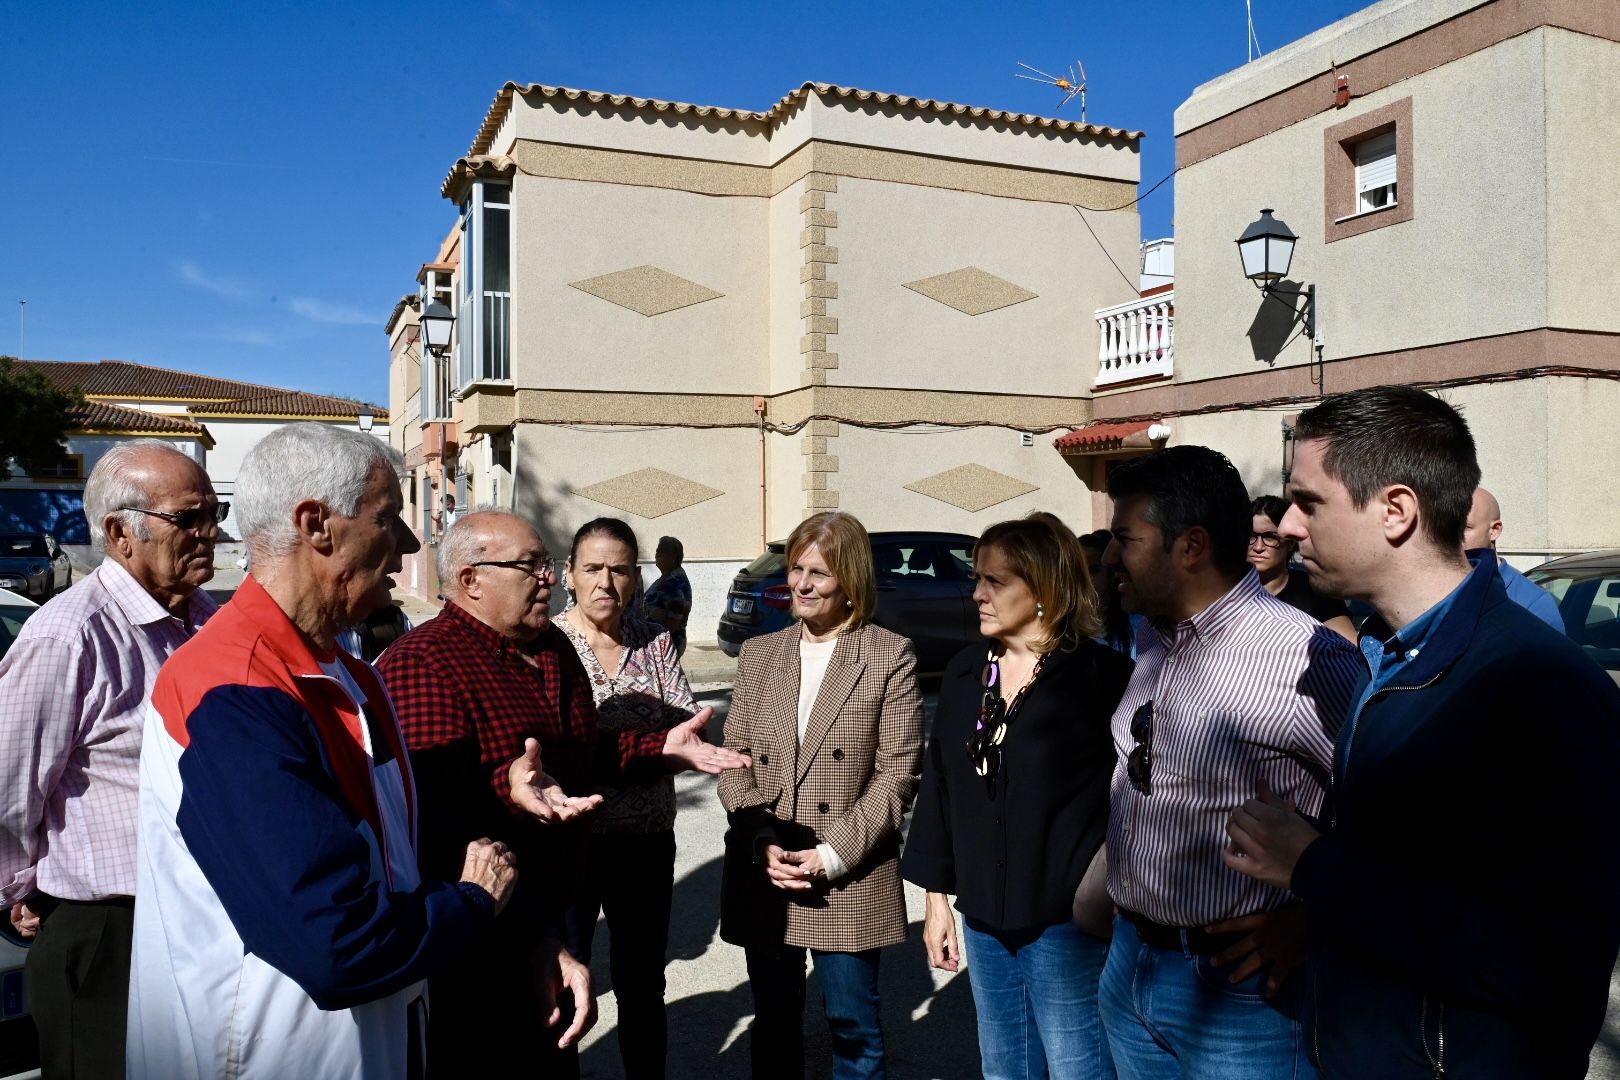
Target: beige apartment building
[[1452, 170], [712, 322]]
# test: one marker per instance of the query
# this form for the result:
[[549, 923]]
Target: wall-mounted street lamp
[[437, 323], [366, 418], [1267, 248]]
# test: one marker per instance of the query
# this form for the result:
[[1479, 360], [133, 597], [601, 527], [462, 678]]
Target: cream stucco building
[[1452, 170], [712, 322]]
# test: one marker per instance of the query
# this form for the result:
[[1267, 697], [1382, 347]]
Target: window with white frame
[[1375, 172], [483, 322]]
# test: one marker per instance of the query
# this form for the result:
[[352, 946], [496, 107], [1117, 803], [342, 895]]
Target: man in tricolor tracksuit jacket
[[281, 928]]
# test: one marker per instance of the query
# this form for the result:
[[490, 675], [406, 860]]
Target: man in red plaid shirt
[[488, 679]]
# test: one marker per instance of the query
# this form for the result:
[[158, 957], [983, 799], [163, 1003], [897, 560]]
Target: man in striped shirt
[[1234, 692]]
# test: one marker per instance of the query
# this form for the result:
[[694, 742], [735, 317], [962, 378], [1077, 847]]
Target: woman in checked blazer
[[830, 712]]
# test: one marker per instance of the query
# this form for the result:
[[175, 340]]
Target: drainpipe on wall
[[759, 413]]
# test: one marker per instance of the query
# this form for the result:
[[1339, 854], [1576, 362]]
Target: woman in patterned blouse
[[639, 687]]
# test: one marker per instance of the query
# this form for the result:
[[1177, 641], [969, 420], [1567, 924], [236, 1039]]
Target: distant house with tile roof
[[213, 420]]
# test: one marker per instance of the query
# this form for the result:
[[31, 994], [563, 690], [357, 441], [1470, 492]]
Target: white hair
[[467, 541], [304, 461], [117, 481]]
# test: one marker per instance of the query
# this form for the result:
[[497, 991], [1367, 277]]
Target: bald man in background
[[1484, 526]]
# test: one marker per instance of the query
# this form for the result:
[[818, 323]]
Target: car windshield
[[1589, 601], [19, 546]]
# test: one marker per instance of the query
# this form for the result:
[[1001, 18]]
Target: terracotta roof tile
[[122, 379], [292, 403], [477, 155], [100, 416], [1099, 436]]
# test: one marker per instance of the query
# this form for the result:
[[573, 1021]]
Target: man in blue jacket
[[1463, 886]]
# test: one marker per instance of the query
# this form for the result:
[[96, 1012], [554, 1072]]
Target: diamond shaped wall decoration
[[971, 487], [648, 493], [646, 289], [971, 291]]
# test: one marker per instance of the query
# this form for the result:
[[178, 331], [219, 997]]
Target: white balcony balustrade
[[1136, 340]]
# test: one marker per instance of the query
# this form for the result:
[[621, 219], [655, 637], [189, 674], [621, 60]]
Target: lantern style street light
[[366, 418], [437, 322], [1266, 249]]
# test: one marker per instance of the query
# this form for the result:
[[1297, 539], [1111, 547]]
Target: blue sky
[[246, 190]]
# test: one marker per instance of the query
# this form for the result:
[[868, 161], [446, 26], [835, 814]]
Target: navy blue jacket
[[1469, 881]]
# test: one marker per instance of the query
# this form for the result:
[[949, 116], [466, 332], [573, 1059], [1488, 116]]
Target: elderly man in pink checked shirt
[[72, 693]]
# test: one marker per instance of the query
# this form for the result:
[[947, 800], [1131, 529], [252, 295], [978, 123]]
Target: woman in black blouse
[[1014, 803], [1271, 554]]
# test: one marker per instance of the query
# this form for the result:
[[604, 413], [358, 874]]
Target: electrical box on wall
[[1026, 438]]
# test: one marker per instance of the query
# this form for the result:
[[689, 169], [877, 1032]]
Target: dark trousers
[[484, 1018], [849, 994], [78, 986], [631, 880]]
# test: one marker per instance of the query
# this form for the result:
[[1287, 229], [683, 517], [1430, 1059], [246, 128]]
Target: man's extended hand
[[1268, 837], [535, 791], [686, 748], [1276, 938], [781, 872], [556, 970], [492, 868], [24, 920]]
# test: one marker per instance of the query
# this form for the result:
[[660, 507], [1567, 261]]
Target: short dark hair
[[1387, 435], [1097, 540], [1187, 486], [1273, 506], [609, 527], [671, 545]]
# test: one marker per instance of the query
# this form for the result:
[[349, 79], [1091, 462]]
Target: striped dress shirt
[[1249, 689], [73, 690]]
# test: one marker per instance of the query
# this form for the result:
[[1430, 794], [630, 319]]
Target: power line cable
[[1133, 202], [1135, 286]]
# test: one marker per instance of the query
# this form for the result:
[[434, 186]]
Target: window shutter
[[1375, 162]]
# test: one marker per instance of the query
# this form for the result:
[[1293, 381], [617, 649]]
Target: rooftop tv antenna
[[1072, 88]]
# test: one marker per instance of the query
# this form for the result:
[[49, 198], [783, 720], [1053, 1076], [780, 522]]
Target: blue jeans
[[849, 994], [1171, 1014], [1036, 995]]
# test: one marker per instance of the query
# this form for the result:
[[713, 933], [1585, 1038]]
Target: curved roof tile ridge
[[502, 106]]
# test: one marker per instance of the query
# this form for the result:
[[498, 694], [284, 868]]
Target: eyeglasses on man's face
[[543, 567], [189, 519], [1271, 541]]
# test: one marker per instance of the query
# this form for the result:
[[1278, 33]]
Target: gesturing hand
[[492, 868], [535, 791], [556, 971], [686, 748], [1268, 837]]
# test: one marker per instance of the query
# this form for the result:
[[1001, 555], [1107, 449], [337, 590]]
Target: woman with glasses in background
[[1270, 553], [829, 710], [1014, 803], [640, 692]]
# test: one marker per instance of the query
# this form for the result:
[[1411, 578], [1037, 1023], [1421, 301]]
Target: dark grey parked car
[[1587, 588], [924, 590], [33, 564]]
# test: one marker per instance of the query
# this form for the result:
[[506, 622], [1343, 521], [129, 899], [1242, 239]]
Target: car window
[[22, 546], [961, 555], [1591, 611], [772, 562], [11, 620]]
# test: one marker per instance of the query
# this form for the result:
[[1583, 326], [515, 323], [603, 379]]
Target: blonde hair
[[1042, 552], [845, 545]]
